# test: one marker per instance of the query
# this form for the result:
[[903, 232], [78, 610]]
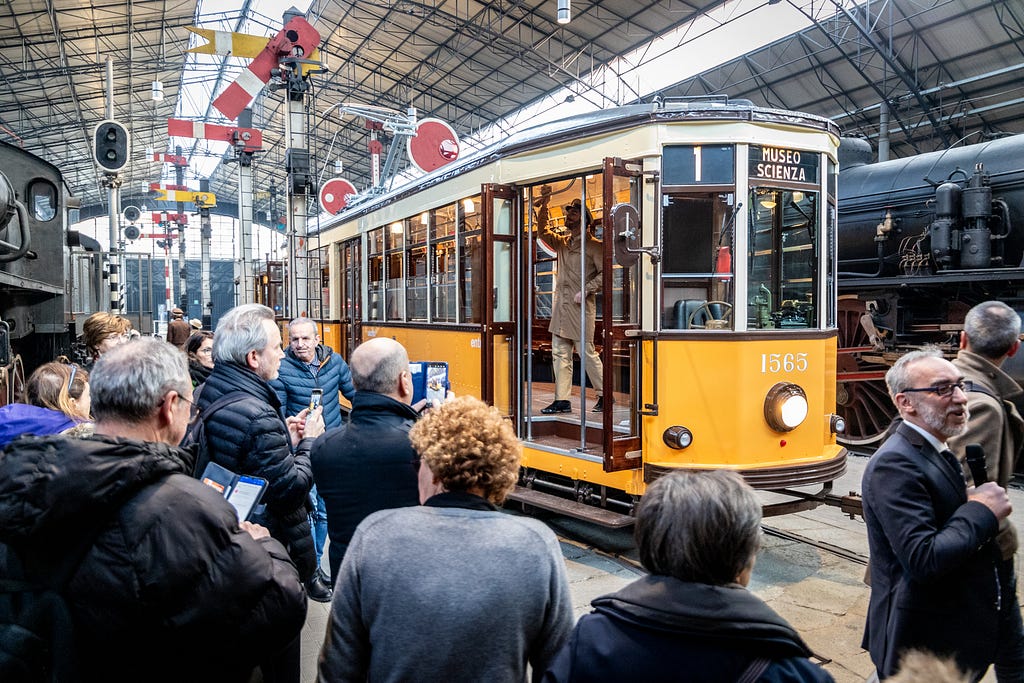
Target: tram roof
[[949, 69], [582, 126]]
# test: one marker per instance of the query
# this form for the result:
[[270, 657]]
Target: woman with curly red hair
[[489, 588]]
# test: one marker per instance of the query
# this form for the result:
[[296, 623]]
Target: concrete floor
[[821, 594]]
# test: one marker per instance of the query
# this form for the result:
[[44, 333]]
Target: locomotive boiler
[[920, 241]]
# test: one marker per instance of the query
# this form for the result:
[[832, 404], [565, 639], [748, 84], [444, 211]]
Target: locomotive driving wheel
[[861, 396]]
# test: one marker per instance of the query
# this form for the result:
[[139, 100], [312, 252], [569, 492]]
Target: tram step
[[547, 501]]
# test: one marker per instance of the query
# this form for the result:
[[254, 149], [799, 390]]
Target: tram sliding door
[[499, 336], [620, 312], [350, 295]]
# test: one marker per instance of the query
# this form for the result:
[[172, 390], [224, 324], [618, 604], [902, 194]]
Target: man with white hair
[[991, 335], [249, 436], [173, 587]]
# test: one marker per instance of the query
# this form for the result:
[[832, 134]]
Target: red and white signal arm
[[435, 145], [297, 37], [334, 195]]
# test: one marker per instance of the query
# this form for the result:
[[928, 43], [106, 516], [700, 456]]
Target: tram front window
[[783, 259], [697, 274]]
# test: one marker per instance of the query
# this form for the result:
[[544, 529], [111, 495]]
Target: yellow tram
[[716, 315]]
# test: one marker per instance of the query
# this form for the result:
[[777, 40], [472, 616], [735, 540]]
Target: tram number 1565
[[783, 362]]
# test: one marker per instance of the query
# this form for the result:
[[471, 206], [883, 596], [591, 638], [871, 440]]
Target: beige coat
[[565, 312], [996, 424]]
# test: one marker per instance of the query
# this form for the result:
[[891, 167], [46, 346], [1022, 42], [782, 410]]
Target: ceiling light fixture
[[564, 12], [158, 91]]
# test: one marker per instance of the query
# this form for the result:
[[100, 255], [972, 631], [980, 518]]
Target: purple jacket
[[17, 419]]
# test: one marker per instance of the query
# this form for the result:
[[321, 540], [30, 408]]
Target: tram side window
[[324, 259], [375, 274], [471, 274], [783, 259], [351, 275], [416, 259], [394, 243], [697, 273], [443, 264]]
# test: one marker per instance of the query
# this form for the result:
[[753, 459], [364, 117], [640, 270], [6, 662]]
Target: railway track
[[845, 553], [594, 541]]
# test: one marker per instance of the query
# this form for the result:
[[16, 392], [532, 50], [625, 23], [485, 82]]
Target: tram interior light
[[768, 203], [468, 205], [785, 407], [425, 218], [564, 12], [798, 197], [396, 228]]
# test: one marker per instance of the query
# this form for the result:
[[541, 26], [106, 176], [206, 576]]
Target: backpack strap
[[754, 670], [978, 389], [196, 432]]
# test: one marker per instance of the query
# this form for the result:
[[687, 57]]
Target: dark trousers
[[1009, 659], [284, 667]]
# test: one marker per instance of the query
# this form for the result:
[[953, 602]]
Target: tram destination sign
[[779, 163]]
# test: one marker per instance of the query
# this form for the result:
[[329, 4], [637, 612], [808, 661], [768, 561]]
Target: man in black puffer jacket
[[249, 436], [173, 588]]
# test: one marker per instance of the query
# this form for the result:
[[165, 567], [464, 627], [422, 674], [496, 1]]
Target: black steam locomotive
[[48, 273], [921, 240]]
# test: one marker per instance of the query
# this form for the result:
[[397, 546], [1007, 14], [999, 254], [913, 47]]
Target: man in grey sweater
[[453, 590]]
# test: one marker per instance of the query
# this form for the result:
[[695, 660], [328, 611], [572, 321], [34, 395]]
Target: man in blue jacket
[[308, 365]]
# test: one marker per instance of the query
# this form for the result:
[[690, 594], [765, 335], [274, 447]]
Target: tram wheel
[[861, 396]]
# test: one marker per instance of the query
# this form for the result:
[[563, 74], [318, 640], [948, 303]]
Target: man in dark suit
[[934, 579], [369, 464]]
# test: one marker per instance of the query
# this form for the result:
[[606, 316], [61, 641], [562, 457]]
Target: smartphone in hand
[[316, 398]]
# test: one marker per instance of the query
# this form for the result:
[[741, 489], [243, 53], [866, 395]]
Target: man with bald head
[[934, 559], [369, 464]]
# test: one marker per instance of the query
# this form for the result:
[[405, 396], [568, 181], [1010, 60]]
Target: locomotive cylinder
[[943, 230], [976, 247]]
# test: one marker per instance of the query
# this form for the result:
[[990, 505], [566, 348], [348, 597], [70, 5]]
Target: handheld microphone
[[976, 463]]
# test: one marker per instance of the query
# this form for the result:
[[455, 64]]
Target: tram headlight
[[837, 424], [785, 407], [677, 437]]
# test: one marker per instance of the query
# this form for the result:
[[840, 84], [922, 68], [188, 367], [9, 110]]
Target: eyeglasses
[[207, 350], [944, 390], [186, 400]]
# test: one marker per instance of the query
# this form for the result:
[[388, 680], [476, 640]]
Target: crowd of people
[[427, 577]]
